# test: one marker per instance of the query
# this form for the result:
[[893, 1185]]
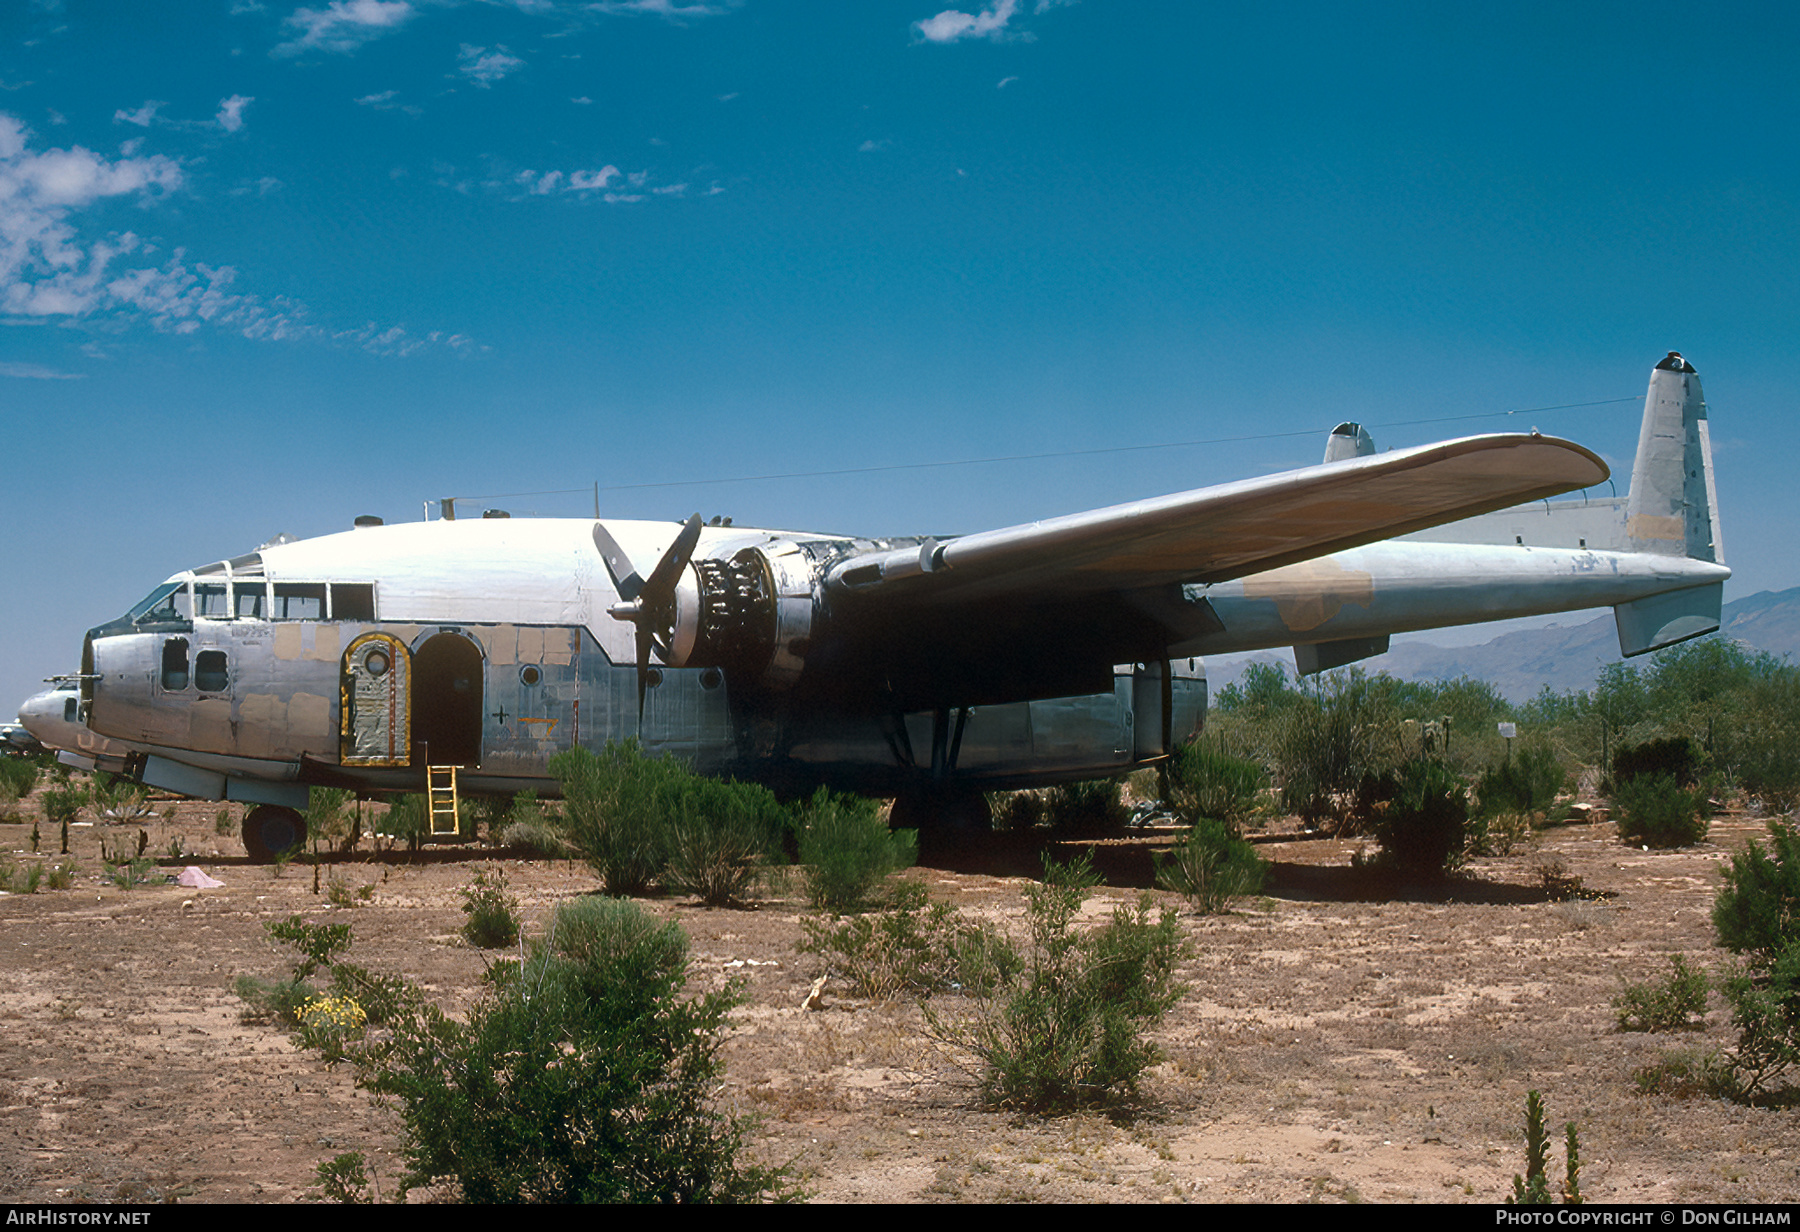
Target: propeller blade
[[624, 574], [648, 604], [660, 589]]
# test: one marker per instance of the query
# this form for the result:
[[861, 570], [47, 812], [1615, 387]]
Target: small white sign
[[1509, 730]]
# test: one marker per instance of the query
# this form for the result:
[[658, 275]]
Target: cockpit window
[[211, 601], [167, 602]]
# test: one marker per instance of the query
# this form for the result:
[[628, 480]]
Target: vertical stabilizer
[[1672, 506]]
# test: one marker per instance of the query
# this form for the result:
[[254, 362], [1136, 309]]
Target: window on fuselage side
[[211, 674], [299, 601], [352, 601], [175, 664], [250, 598], [211, 601], [167, 602]]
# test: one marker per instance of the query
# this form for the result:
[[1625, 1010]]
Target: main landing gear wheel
[[271, 832]]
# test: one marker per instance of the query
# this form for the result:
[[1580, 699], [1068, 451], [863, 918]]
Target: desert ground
[[1342, 1039]]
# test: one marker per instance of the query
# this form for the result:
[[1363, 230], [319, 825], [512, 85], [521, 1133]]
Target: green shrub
[[721, 835], [383, 998], [18, 775], [585, 1076], [848, 851], [1754, 916], [345, 1178], [615, 806], [1092, 807], [1211, 866], [1686, 1073], [1067, 1029], [329, 817], [1664, 1005], [330, 1024], [1017, 810], [408, 818], [317, 944], [1207, 783], [493, 921], [530, 826], [272, 1000], [1528, 783], [1423, 829], [1655, 810], [914, 947], [64, 802], [1675, 757]]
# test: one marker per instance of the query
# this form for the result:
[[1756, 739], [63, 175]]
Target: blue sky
[[267, 266]]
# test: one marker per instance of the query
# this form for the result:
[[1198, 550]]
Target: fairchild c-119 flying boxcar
[[930, 670]]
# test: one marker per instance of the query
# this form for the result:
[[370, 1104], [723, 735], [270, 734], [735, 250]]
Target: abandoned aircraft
[[400, 658]]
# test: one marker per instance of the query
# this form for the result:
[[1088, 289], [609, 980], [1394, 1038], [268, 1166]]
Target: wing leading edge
[[1228, 531]]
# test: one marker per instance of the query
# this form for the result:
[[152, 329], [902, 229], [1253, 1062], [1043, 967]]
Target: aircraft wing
[[1228, 531]]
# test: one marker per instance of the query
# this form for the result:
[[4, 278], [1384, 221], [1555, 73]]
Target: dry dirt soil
[[1341, 1039]]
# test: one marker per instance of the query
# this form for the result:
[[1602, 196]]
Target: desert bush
[[383, 998], [329, 817], [493, 921], [615, 804], [531, 826], [721, 835], [330, 1025], [1422, 829], [914, 946], [848, 851], [18, 775], [345, 1178], [316, 944], [62, 874], [64, 802], [1211, 866], [1095, 806], [1655, 810], [1067, 1029], [1675, 757], [1205, 782], [585, 1076], [17, 879], [272, 1000], [1686, 1073], [1754, 916], [1335, 739], [1667, 1004], [408, 818], [1527, 783], [1017, 810]]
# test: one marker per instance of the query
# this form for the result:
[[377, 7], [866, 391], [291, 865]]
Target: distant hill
[[1564, 657]]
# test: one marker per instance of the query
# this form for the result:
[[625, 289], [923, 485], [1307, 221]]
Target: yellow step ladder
[[440, 791]]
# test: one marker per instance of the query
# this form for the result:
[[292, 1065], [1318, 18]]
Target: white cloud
[[378, 100], [231, 112], [344, 25], [952, 24], [36, 372], [486, 67], [143, 117], [869, 147], [1004, 82], [671, 9], [48, 269], [584, 101]]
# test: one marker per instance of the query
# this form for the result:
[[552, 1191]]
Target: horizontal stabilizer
[[1323, 656], [1662, 620]]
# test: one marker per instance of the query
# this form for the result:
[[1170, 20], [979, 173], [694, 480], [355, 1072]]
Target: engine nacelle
[[751, 615]]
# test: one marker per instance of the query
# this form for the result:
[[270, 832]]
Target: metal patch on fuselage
[[1310, 593], [376, 702]]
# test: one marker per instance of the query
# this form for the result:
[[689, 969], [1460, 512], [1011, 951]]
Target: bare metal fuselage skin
[[246, 686], [359, 659]]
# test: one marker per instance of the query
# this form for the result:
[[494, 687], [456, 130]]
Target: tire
[[271, 831]]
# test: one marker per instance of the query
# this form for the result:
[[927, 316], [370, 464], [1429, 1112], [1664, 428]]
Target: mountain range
[[1565, 657]]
